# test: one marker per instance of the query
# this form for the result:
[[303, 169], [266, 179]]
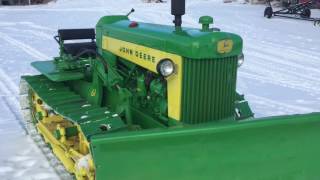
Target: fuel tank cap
[[206, 21]]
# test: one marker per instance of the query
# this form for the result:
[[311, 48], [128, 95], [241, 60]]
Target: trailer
[[301, 11]]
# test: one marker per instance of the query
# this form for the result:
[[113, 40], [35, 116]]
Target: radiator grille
[[209, 89]]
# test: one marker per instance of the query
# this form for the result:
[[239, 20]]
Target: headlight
[[165, 67], [240, 59]]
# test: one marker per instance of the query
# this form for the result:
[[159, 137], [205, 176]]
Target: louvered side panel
[[209, 88]]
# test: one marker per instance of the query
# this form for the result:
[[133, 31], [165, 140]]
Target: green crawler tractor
[[139, 101]]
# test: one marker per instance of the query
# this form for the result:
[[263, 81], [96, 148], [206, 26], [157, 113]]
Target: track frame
[[68, 155]]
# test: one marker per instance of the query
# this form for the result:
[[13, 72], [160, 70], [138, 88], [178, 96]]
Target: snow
[[280, 74]]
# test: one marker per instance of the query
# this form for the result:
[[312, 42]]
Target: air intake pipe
[[178, 8]]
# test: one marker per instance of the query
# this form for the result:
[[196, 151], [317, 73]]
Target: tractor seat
[[76, 48]]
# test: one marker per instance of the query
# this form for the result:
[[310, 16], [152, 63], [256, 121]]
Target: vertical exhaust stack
[[178, 8]]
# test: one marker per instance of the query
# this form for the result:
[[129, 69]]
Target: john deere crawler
[[140, 101]]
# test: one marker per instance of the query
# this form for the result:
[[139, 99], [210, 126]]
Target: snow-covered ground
[[281, 74]]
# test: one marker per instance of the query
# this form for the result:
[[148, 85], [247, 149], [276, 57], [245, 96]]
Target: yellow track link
[[73, 152]]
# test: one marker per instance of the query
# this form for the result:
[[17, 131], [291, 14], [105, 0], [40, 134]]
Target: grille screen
[[209, 89]]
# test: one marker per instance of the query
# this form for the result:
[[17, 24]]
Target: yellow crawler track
[[73, 152]]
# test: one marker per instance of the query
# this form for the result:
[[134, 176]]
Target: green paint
[[122, 110], [206, 21], [73, 107], [70, 132], [274, 148], [242, 108], [209, 90], [49, 68], [191, 43]]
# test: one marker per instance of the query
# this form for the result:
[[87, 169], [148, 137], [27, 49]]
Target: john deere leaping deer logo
[[93, 92], [225, 46]]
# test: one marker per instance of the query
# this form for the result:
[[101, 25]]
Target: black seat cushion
[[71, 34], [76, 48]]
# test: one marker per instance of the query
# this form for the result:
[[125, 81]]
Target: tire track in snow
[[303, 80], [9, 127], [284, 70], [11, 90], [249, 33], [299, 56], [26, 23], [292, 50], [36, 26], [34, 33], [9, 96], [269, 45], [24, 47], [276, 80], [27, 164], [282, 108], [284, 80]]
